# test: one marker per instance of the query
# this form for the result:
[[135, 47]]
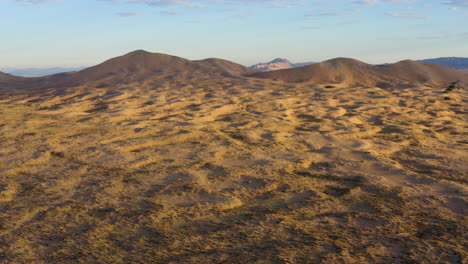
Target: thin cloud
[[170, 13], [349, 22], [366, 2], [204, 3], [326, 14], [165, 3], [406, 15], [128, 14], [375, 2], [457, 3], [444, 35], [241, 12], [35, 1], [310, 28]]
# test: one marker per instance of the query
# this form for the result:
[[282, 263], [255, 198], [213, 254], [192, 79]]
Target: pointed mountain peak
[[276, 64], [279, 60]]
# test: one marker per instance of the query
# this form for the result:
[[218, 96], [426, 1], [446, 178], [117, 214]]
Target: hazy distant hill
[[39, 72], [352, 72], [452, 62], [278, 64]]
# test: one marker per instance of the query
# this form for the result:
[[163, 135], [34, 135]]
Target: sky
[[74, 33]]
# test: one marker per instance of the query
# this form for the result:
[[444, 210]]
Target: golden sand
[[233, 170]]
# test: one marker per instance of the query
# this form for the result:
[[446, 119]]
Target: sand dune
[[352, 72], [189, 168]]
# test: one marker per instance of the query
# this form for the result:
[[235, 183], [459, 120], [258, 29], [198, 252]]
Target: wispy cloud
[[166, 3], [366, 2], [170, 13], [241, 12], [129, 14], [457, 3], [444, 35], [406, 15], [349, 22], [326, 14], [375, 2], [310, 27], [204, 3], [35, 1]]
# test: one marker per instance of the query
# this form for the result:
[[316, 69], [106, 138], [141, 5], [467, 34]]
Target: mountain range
[[276, 64], [351, 72], [143, 66], [39, 72], [280, 63], [452, 62]]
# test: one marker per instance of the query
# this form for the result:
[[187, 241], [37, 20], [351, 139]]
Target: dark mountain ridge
[[452, 62]]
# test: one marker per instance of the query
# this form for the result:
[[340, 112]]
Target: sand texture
[[233, 170]]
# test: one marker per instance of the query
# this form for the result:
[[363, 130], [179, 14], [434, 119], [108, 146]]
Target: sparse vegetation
[[452, 86], [232, 170]]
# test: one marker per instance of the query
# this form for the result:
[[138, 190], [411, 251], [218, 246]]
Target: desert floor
[[233, 171]]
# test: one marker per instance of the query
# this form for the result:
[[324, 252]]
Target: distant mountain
[[277, 64], [302, 64], [143, 66], [10, 82], [452, 62], [280, 64], [351, 72], [4, 76], [39, 72]]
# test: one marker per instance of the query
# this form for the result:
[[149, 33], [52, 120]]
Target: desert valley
[[152, 158]]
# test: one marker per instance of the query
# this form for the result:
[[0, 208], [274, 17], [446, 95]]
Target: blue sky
[[68, 33]]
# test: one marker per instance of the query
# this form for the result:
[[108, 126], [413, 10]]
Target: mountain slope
[[339, 70], [8, 81], [352, 72], [6, 76], [134, 65], [223, 67], [452, 62], [141, 65], [417, 72]]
